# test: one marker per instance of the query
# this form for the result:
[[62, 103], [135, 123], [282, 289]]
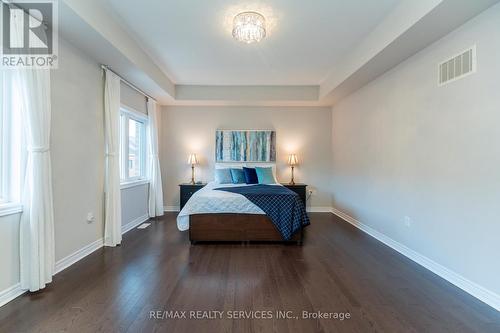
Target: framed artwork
[[245, 146]]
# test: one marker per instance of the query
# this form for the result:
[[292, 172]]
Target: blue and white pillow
[[265, 175], [223, 176], [238, 176]]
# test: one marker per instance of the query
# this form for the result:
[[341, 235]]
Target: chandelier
[[249, 27]]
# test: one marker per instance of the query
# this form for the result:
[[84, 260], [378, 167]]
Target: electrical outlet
[[407, 221], [312, 191], [90, 218]]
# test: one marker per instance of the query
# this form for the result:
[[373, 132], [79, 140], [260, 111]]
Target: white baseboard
[[472, 288], [319, 209], [78, 255], [132, 224], [171, 208], [9, 294]]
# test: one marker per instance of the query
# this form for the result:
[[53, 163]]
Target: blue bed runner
[[283, 206]]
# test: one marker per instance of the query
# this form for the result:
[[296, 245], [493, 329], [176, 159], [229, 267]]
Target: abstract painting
[[245, 146]]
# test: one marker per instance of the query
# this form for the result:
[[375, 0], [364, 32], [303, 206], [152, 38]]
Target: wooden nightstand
[[300, 189], [187, 190]]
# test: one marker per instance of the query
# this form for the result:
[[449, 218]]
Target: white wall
[[402, 146], [302, 130]]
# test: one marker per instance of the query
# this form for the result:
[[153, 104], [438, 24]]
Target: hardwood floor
[[338, 269]]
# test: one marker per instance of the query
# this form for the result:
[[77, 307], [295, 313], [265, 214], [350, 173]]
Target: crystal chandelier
[[249, 27]]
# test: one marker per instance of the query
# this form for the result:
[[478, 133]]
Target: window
[[12, 143], [132, 146]]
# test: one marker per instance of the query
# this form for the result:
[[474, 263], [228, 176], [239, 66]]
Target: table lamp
[[292, 161], [193, 161]]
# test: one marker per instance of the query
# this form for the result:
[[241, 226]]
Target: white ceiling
[[191, 39]]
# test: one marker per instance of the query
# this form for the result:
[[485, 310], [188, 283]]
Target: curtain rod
[[128, 83]]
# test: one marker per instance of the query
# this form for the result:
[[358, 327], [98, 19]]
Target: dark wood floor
[[339, 269]]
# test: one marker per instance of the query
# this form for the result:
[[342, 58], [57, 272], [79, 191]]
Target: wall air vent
[[458, 66]]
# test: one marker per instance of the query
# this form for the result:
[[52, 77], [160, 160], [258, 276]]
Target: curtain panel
[[112, 195], [155, 185], [37, 249]]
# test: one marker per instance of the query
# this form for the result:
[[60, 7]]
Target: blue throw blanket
[[281, 205]]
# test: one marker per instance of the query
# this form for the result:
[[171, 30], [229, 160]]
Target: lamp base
[[292, 182], [192, 182]]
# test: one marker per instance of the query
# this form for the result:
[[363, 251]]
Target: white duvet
[[207, 200]]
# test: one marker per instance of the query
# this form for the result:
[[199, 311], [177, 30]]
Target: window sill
[[10, 209], [133, 183]]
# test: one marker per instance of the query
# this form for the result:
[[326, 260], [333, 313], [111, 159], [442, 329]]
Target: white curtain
[[155, 185], [37, 220], [112, 206]]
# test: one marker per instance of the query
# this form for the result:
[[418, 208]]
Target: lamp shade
[[292, 159], [192, 159]]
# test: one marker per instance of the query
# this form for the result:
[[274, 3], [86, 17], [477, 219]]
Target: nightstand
[[300, 189], [187, 190]]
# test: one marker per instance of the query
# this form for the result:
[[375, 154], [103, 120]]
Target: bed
[[231, 212]]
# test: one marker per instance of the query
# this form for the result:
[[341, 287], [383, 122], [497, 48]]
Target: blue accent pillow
[[265, 175], [250, 176], [223, 176], [238, 176]]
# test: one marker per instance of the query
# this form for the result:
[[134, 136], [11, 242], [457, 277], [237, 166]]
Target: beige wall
[[135, 198], [9, 251], [132, 98], [402, 146], [77, 143], [302, 130]]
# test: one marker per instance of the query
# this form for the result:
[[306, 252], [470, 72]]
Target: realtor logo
[[29, 34]]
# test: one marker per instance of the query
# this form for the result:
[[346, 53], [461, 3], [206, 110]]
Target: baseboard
[[131, 225], [319, 209], [78, 255], [10, 293], [472, 288], [171, 208]]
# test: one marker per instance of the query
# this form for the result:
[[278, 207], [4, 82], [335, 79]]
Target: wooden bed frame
[[236, 228]]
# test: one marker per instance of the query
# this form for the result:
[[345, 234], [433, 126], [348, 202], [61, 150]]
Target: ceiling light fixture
[[249, 27]]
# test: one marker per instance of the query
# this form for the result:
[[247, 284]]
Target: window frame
[[126, 114], [11, 178]]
